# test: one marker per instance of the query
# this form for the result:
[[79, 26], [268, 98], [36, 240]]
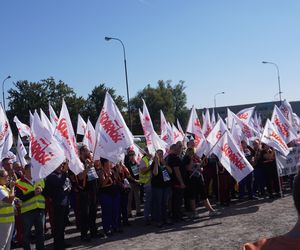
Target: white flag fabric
[[272, 138], [180, 128], [219, 129], [246, 114], [177, 135], [114, 137], [213, 118], [166, 130], [6, 136], [46, 152], [53, 116], [64, 133], [23, 129], [283, 126], [194, 126], [287, 110], [81, 125], [232, 158], [152, 139], [89, 138], [247, 130], [207, 126], [46, 122], [21, 152]]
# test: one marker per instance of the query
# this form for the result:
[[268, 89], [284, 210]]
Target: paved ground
[[240, 223]]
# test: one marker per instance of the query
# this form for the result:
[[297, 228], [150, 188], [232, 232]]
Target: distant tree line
[[165, 96]]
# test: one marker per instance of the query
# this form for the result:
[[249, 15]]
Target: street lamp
[[3, 99], [278, 77], [125, 65], [215, 100]]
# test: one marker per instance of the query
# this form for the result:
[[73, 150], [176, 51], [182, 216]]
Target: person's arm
[[154, 166], [179, 177], [24, 197], [11, 195]]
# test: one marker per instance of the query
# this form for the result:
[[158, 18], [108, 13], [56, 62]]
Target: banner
[[289, 164]]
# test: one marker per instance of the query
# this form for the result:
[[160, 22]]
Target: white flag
[[246, 114], [21, 152], [166, 130], [180, 128], [246, 129], [46, 152], [53, 116], [89, 138], [232, 158], [177, 135], [114, 137], [23, 129], [46, 122], [272, 138], [283, 126], [64, 133], [207, 126], [194, 126], [216, 133], [6, 136], [81, 125], [152, 139], [213, 118], [287, 110]]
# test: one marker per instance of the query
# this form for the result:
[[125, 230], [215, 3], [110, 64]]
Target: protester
[[290, 240], [33, 208], [161, 189], [145, 180], [109, 196], [88, 186], [178, 186], [58, 189], [7, 217], [124, 186], [134, 193]]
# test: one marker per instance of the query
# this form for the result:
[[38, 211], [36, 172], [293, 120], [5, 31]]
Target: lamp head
[[223, 92], [107, 38], [264, 62]]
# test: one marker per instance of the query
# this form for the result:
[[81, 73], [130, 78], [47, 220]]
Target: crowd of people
[[170, 186]]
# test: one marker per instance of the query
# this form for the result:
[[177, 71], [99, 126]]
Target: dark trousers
[[259, 180], [246, 183], [225, 185], [160, 199], [177, 197], [124, 204], [88, 213], [59, 226], [110, 206], [34, 218]]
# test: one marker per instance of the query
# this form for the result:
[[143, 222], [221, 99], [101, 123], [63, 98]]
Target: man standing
[[178, 186], [33, 208], [58, 188]]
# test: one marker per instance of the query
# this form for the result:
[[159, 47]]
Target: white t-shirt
[[3, 194]]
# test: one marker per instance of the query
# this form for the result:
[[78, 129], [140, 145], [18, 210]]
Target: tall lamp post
[[3, 98], [278, 77], [125, 66], [215, 100]]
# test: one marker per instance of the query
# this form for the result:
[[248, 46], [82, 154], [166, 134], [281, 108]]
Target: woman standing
[[7, 215], [161, 188]]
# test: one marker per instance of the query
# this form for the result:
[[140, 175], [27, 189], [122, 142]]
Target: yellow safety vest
[[37, 201], [7, 213], [145, 178]]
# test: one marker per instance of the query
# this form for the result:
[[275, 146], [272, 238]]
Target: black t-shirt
[[162, 179], [174, 161], [133, 169]]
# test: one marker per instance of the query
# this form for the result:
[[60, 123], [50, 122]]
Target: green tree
[[170, 99]]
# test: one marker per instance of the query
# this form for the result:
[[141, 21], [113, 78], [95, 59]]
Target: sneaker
[[214, 213]]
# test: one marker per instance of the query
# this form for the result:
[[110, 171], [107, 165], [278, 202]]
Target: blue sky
[[213, 46]]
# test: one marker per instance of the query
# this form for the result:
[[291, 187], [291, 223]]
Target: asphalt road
[[241, 222]]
